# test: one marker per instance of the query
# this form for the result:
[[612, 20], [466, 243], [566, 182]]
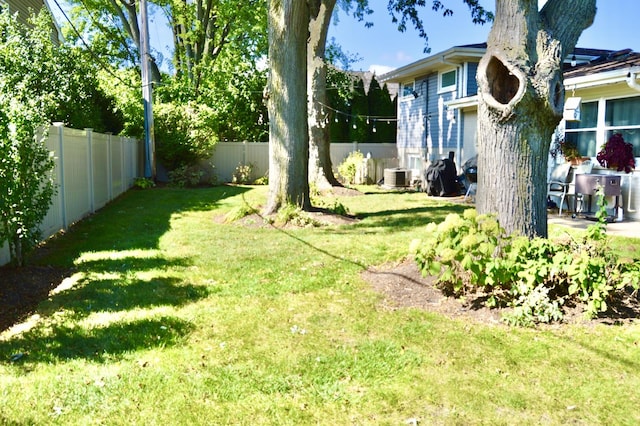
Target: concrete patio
[[626, 228]]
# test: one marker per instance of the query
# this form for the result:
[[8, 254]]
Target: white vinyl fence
[[229, 155], [91, 169]]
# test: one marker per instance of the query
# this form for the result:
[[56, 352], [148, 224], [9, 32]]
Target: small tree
[[26, 94]]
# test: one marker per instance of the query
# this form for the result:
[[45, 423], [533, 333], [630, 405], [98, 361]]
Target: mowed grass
[[173, 316]]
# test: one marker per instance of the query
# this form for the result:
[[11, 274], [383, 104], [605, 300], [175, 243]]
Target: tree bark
[[320, 168], [287, 104], [521, 98]]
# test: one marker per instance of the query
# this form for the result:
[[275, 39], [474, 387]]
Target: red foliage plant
[[617, 154]]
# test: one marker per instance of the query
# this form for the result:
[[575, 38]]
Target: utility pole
[[147, 95]]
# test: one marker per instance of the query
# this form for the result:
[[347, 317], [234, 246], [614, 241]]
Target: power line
[[101, 63]]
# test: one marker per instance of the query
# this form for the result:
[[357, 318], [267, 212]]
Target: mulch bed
[[21, 289]]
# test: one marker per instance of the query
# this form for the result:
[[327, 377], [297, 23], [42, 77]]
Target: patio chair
[[559, 182]]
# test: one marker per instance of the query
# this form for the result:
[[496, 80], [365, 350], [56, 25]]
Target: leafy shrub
[[535, 277], [185, 176], [143, 183], [183, 134], [242, 173], [349, 167], [28, 92]]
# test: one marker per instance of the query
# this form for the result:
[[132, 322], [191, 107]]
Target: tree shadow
[[134, 221], [391, 220], [97, 344]]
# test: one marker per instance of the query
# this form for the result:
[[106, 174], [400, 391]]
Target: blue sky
[[383, 48]]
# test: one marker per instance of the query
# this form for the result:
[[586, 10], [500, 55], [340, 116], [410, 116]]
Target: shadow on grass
[[135, 220], [97, 343], [95, 318], [397, 219]]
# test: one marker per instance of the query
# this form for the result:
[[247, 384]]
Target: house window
[[408, 89], [623, 116], [447, 81], [583, 133]]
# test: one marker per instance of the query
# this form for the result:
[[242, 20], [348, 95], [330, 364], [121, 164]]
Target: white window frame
[[451, 87], [405, 86]]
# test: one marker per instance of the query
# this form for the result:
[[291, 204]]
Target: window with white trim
[[447, 80], [623, 116], [408, 89], [583, 133]]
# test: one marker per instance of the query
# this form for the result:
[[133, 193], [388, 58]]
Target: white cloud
[[380, 69], [403, 57]]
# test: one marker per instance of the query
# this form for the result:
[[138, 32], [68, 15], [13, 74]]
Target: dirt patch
[[403, 286], [21, 289]]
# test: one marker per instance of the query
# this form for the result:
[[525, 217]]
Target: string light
[[349, 117]]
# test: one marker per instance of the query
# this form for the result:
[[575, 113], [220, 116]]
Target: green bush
[[349, 167], [185, 176], [535, 277], [183, 134], [242, 173]]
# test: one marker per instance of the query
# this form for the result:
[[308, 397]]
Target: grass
[[174, 316]]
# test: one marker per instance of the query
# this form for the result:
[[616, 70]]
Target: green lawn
[[175, 317]]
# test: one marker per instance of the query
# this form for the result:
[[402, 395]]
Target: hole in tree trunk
[[502, 83]]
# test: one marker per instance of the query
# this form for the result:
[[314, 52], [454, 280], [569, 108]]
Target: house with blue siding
[[438, 103]]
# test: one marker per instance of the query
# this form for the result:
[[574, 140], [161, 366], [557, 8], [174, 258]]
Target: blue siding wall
[[434, 128], [472, 84]]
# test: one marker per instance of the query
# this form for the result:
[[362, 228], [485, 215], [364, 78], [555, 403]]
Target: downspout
[[632, 82], [459, 94]]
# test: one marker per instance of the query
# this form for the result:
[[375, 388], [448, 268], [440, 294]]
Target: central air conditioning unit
[[396, 178]]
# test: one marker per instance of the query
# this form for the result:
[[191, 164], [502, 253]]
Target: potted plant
[[569, 150], [617, 154]]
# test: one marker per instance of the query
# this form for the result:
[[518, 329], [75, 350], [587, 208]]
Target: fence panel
[[228, 155], [100, 164], [116, 155], [90, 170], [77, 199]]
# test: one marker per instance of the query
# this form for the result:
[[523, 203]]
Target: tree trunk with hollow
[[320, 168], [287, 105], [521, 99]]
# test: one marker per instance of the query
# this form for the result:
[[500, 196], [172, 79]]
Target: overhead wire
[[99, 60]]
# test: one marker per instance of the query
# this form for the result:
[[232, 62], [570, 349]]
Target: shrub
[[27, 94], [183, 134], [242, 173], [535, 277], [185, 176], [349, 167]]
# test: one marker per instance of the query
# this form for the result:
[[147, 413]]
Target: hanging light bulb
[[367, 120], [354, 126], [336, 120], [374, 128]]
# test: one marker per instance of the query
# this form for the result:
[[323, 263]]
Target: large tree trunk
[[520, 104], [320, 170], [287, 104]]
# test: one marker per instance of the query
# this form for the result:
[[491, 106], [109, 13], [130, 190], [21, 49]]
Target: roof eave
[[599, 79], [422, 66]]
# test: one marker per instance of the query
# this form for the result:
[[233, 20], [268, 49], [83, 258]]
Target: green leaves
[[27, 94], [534, 276]]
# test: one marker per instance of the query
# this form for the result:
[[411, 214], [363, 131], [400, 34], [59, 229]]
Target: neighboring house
[[25, 8], [438, 103]]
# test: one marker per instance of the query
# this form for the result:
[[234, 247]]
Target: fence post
[[63, 204], [109, 168], [122, 168], [89, 132]]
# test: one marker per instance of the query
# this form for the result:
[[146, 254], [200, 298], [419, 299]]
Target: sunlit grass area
[[172, 315]]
